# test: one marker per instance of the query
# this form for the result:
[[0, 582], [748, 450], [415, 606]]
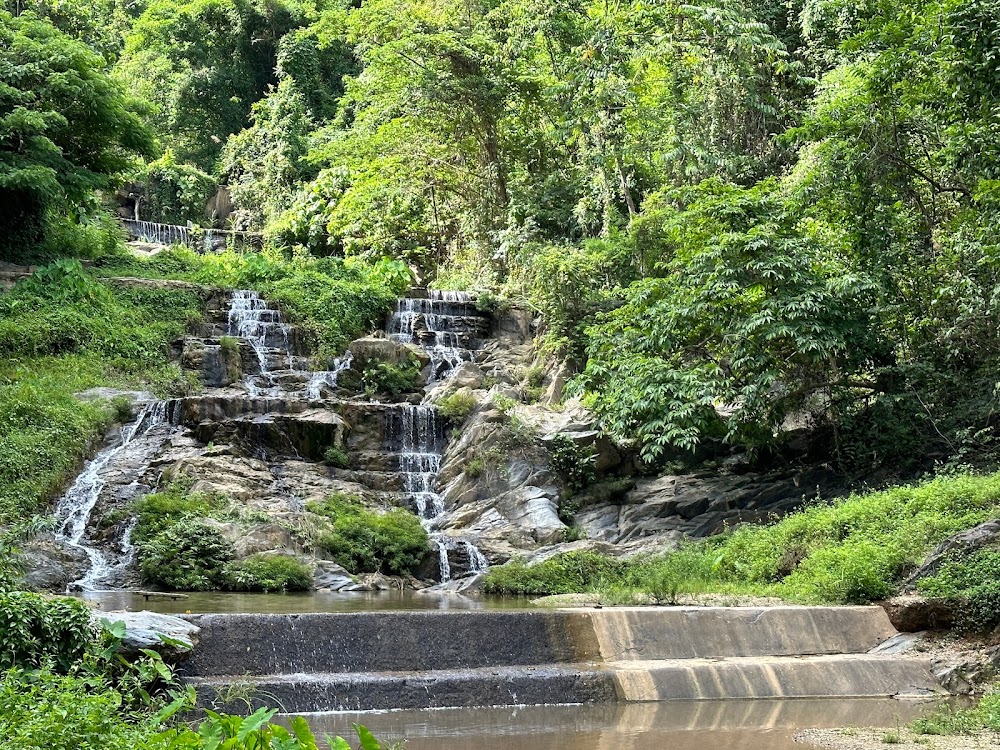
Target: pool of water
[[316, 601], [702, 725]]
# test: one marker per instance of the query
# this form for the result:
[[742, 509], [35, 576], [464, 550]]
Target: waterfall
[[74, 509], [261, 326], [320, 378], [445, 324], [421, 440]]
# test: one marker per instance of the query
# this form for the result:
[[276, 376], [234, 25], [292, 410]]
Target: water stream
[[75, 508], [440, 324]]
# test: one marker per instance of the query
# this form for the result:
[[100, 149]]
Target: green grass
[[984, 716], [61, 332], [332, 300], [850, 551]]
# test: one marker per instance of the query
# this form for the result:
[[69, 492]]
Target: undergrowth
[[850, 551]]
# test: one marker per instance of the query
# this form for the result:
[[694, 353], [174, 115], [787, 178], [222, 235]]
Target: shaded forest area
[[753, 227]]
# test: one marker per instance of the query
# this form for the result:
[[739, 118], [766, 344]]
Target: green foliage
[[333, 301], [457, 406], [61, 332], [850, 551], [337, 457], [65, 130], [387, 378], [973, 583], [38, 631], [264, 572], [948, 720], [188, 555], [365, 541], [45, 710], [62, 309], [174, 193], [575, 463], [563, 574], [155, 512]]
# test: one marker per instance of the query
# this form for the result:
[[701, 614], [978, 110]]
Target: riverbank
[[901, 739]]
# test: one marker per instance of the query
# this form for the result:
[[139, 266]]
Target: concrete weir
[[431, 659]]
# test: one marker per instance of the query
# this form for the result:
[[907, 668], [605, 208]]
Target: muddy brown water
[[702, 725], [213, 602]]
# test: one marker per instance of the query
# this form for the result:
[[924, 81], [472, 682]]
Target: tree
[[66, 129]]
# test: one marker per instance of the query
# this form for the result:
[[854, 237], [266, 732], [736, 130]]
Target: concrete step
[[433, 640], [841, 676], [371, 691], [426, 659]]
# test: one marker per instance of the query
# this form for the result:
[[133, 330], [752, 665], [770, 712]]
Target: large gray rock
[[51, 566], [143, 630], [331, 577], [958, 545]]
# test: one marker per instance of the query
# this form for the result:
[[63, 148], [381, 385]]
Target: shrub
[[974, 584], [573, 462], [364, 541], [37, 631], [563, 574], [387, 378], [44, 710], [337, 457], [265, 572], [156, 512], [457, 406], [188, 555]]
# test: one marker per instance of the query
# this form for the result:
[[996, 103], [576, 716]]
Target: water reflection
[[702, 725], [317, 601]]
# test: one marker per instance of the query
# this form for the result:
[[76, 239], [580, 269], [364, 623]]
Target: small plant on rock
[[337, 457], [457, 406]]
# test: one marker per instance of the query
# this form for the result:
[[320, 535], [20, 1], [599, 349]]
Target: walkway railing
[[203, 240]]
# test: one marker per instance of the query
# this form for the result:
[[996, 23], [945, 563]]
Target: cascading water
[[74, 509], [421, 444], [328, 378], [443, 323], [261, 326]]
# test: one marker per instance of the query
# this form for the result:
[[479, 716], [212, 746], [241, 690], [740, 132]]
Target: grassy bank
[[849, 551], [63, 331], [332, 300]]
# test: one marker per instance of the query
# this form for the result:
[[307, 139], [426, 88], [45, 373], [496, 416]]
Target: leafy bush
[[38, 631], [457, 405], [188, 555], [973, 583], [387, 378], [337, 457], [175, 193], [156, 512], [575, 463], [563, 574], [265, 572], [44, 710], [364, 541]]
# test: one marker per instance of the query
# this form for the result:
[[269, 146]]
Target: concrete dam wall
[[363, 661]]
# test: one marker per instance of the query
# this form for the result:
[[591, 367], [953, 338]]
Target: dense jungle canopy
[[736, 217]]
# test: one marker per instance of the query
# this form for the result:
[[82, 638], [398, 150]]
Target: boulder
[[331, 577], [376, 349], [958, 545], [143, 630], [467, 375], [51, 566]]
